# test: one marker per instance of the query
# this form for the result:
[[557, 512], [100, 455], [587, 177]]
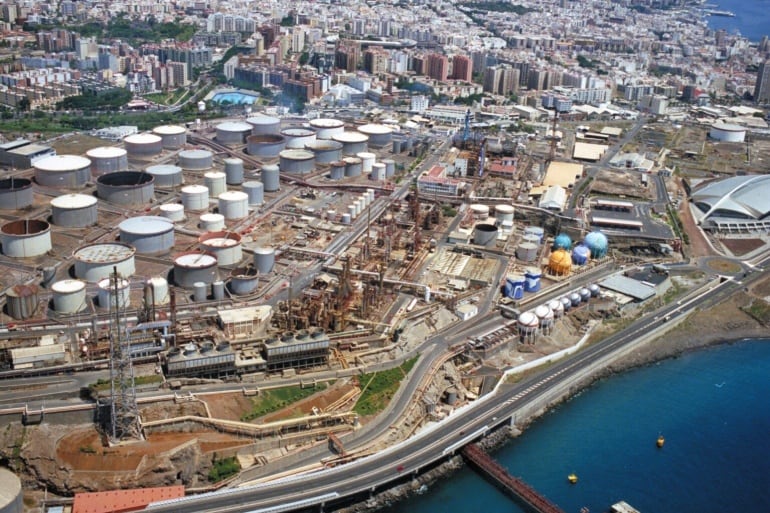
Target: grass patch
[[759, 309], [379, 387], [223, 468], [272, 400], [167, 98]]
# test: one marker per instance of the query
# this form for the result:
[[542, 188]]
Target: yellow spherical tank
[[560, 262]]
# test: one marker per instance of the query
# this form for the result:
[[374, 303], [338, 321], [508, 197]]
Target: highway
[[465, 425]]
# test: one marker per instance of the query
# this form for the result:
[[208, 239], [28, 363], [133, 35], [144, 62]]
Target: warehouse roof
[[628, 287]]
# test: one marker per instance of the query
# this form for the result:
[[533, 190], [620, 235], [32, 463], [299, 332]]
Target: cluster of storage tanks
[[541, 319], [564, 255], [486, 229], [517, 284], [529, 246], [357, 208]]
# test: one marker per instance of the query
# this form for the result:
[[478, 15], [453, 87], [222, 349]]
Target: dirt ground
[[320, 401], [740, 247]]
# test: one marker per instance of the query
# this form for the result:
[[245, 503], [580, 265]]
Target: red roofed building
[[435, 181], [505, 168], [118, 501]]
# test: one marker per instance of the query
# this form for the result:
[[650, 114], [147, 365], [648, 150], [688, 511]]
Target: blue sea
[[752, 17], [712, 407]]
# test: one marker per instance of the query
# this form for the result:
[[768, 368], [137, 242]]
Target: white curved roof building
[[734, 204]]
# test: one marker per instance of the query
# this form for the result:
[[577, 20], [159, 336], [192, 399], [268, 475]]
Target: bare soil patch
[[740, 247]]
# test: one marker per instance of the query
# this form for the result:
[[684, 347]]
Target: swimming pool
[[235, 98]]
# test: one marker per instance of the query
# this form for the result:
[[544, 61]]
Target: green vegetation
[[759, 309], [469, 100], [496, 7], [676, 224], [448, 210], [274, 399], [133, 31], [585, 62], [87, 449], [167, 98], [288, 20], [112, 99], [223, 468], [379, 388], [104, 384]]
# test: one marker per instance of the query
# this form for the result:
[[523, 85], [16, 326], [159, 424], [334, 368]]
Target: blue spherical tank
[[562, 241], [580, 255], [597, 243]]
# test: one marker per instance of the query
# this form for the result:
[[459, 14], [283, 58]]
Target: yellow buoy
[[572, 478], [660, 441]]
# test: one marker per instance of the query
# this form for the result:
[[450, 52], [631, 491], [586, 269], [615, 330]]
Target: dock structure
[[513, 486]]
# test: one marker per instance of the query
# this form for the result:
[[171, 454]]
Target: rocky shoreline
[[726, 323]]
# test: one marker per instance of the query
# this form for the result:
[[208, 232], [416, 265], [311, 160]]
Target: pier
[[513, 486]]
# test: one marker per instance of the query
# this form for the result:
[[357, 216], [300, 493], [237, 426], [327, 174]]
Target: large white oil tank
[[261, 125], [255, 191], [353, 166], [234, 204], [67, 171], [196, 160], [378, 172], [216, 182], [265, 145], [479, 211], [143, 145], [173, 137], [150, 235], [15, 193], [327, 128], [264, 259], [195, 197], [195, 266], [174, 212], [300, 162], [352, 142], [379, 135], [112, 293], [74, 210], [126, 188], [212, 222], [233, 171], [226, 246], [504, 214], [26, 238], [94, 262], [337, 170], [367, 160], [156, 291], [233, 132], [270, 177], [297, 137], [390, 167], [107, 159], [11, 498], [244, 280], [69, 296], [727, 132], [166, 175], [325, 151]]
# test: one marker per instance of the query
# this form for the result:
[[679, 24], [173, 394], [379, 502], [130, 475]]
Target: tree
[[24, 104]]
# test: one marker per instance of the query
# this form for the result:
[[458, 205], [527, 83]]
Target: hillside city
[[290, 255]]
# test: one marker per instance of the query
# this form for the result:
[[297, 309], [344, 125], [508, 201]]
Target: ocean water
[[712, 407], [752, 17]]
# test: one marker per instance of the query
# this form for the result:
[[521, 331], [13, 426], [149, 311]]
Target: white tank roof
[[172, 207], [326, 123], [478, 207], [504, 209], [528, 319], [195, 260], [107, 284], [351, 137], [555, 305], [221, 242], [543, 311], [296, 155], [142, 139], [364, 155], [164, 169], [195, 189], [68, 286], [105, 152], [103, 253], [195, 154], [212, 218], [264, 251], [263, 120], [215, 174], [233, 196], [234, 126], [169, 130], [146, 225], [73, 201], [62, 163], [375, 129]]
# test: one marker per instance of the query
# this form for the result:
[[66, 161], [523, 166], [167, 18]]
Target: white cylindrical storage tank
[[226, 246], [200, 291], [298, 137], [352, 142], [233, 171], [166, 175], [378, 172], [74, 210], [255, 192], [195, 266], [479, 211], [94, 262], [15, 193], [150, 235], [390, 167], [261, 125], [126, 188], [504, 214], [143, 145], [107, 159], [325, 151], [379, 135], [244, 280], [727, 132], [12, 498], [345, 218], [357, 206], [527, 251], [156, 291], [299, 162], [26, 238], [265, 145], [271, 177], [535, 231], [215, 182], [234, 204], [326, 128], [352, 211], [212, 222], [62, 171], [367, 160], [337, 170], [174, 212], [69, 296], [264, 259], [196, 160], [172, 137], [218, 290], [233, 132], [195, 197], [485, 234], [370, 195], [353, 166], [107, 295]]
